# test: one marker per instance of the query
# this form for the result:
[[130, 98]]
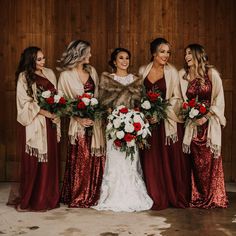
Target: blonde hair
[[200, 59], [75, 53]]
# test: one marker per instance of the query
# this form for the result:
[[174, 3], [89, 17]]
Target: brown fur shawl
[[113, 93]]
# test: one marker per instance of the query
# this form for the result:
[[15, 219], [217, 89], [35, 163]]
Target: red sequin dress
[[166, 169], [208, 188], [83, 172]]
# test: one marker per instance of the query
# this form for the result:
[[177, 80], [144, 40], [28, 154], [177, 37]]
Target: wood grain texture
[[107, 24]]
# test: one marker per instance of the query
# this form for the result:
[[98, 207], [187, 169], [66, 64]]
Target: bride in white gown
[[123, 188]]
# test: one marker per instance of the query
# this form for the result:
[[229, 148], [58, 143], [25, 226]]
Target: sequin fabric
[[208, 187]]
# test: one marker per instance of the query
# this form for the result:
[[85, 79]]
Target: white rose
[[145, 133], [120, 134], [94, 101], [86, 101], [146, 105], [109, 126], [194, 112], [57, 98], [117, 123], [46, 94], [140, 132], [129, 128], [131, 143]]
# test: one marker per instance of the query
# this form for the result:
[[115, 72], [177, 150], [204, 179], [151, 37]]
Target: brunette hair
[[27, 64], [154, 45]]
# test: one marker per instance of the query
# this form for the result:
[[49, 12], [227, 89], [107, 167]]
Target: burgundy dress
[[208, 188], [166, 169], [83, 172], [39, 181]]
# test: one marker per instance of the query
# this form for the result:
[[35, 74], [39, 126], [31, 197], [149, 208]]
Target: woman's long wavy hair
[[200, 60], [75, 53], [27, 64]]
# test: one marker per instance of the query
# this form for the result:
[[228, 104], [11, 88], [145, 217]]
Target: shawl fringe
[[172, 137], [215, 149], [35, 152], [186, 148]]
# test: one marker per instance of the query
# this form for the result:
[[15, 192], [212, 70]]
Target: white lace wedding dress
[[123, 188]]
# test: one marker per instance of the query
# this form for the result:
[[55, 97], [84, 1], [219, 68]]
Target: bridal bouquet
[[193, 109], [53, 101], [153, 105], [128, 130], [86, 106]]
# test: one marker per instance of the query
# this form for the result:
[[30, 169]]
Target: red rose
[[50, 100], [185, 105], [202, 109], [124, 110], [129, 137], [153, 96], [62, 100], [118, 143], [86, 95], [192, 102], [137, 126], [81, 105]]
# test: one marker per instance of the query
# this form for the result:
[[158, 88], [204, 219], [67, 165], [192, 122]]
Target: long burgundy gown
[[166, 169], [208, 188], [83, 172], [39, 181]]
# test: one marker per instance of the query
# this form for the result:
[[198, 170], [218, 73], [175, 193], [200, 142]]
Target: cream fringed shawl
[[173, 95], [28, 116], [70, 84], [215, 121]]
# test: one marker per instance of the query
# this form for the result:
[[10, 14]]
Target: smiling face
[[189, 57], [40, 60], [122, 61], [161, 56], [87, 55]]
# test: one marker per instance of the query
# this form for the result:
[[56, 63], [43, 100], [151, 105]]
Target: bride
[[123, 188]]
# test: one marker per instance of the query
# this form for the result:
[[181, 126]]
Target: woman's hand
[[47, 114], [86, 122], [201, 121], [153, 119]]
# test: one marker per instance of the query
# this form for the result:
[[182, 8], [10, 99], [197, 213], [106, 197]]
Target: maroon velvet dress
[[83, 172], [166, 169], [208, 188], [39, 181]]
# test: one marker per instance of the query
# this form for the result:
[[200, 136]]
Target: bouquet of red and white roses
[[86, 106], [128, 130], [153, 105], [53, 101], [193, 109]]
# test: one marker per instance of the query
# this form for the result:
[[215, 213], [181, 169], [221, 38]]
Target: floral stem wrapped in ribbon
[[128, 129], [153, 105]]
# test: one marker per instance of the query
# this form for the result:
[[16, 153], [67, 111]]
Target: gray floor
[[88, 222]]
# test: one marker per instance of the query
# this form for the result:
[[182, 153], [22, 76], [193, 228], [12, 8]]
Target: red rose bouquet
[[128, 129], [152, 104], [193, 109], [53, 101]]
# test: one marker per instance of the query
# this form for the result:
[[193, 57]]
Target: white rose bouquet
[[128, 130]]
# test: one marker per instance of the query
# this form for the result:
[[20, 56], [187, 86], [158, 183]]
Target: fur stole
[[112, 93]]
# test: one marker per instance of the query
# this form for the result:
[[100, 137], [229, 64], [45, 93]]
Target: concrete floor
[[89, 222]]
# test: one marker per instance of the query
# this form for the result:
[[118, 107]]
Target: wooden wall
[[52, 24]]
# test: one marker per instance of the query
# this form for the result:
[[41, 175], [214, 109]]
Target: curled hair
[[200, 60], [114, 56], [75, 53], [27, 64], [154, 45]]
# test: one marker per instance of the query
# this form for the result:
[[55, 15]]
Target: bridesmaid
[[201, 80], [84, 166], [166, 169], [37, 138]]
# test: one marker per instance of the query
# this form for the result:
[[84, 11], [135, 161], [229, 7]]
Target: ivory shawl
[[28, 116], [215, 121], [70, 84], [173, 95]]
